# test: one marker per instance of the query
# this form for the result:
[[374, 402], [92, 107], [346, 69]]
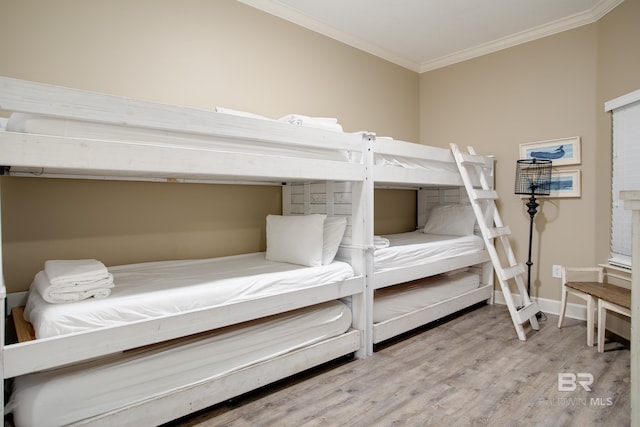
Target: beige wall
[[198, 53], [207, 53], [546, 89]]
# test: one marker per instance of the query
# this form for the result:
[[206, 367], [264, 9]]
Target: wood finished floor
[[470, 370]]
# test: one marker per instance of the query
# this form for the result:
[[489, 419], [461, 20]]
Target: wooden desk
[[610, 297], [614, 294]]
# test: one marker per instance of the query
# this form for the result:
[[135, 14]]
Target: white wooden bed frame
[[99, 159], [311, 186], [444, 185]]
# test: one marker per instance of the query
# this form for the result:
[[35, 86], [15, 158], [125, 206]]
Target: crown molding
[[588, 17], [285, 12]]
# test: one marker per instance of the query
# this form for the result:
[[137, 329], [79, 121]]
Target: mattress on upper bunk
[[55, 126], [62, 396], [154, 289], [416, 248], [397, 300]]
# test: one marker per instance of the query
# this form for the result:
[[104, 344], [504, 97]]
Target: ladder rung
[[484, 195], [526, 313], [498, 232], [472, 159], [509, 272]]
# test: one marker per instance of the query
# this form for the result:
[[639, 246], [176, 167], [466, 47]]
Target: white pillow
[[296, 239], [453, 220], [334, 227]]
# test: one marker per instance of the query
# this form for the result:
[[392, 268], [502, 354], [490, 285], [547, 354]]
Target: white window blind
[[625, 171]]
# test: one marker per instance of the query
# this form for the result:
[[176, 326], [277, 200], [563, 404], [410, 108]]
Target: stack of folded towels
[[73, 280]]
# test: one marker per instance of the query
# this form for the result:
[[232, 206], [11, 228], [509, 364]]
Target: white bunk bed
[[419, 277], [176, 144]]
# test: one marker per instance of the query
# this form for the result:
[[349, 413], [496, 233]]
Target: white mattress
[[396, 300], [47, 125], [416, 248], [155, 289], [65, 395]]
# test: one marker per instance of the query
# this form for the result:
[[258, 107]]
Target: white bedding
[[156, 289], [416, 248], [47, 125], [396, 300], [65, 395]]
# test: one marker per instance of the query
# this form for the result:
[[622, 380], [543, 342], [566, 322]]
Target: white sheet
[[155, 289], [46, 125], [396, 300], [65, 395], [416, 248]]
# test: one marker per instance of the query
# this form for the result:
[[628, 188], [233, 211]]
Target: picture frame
[[565, 183], [561, 152]]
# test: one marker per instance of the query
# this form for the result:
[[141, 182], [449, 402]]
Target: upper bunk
[[68, 133], [400, 164], [63, 132]]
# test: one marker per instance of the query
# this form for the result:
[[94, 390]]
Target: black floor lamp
[[533, 177]]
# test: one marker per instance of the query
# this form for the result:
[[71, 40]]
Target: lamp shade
[[533, 176]]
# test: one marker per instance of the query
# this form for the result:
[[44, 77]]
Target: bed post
[[362, 235]]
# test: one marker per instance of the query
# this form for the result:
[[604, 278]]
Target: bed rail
[[400, 164], [131, 158], [406, 164], [45, 353], [394, 276]]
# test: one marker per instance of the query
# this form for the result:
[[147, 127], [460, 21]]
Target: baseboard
[[550, 306], [616, 324]]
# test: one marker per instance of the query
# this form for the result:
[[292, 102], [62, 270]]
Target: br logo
[[568, 381]]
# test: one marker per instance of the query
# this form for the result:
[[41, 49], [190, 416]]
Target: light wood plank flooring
[[470, 370]]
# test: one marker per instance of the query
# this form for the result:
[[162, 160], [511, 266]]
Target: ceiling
[[423, 35]]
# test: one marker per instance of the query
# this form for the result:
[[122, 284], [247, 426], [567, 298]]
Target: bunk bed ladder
[[483, 199]]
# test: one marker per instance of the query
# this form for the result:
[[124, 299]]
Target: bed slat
[[24, 330]]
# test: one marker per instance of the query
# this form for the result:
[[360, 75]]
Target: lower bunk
[[427, 274], [401, 308], [162, 382], [167, 338]]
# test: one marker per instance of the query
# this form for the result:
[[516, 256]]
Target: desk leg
[[590, 320], [602, 317]]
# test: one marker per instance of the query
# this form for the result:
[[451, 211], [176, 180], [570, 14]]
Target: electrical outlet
[[556, 271]]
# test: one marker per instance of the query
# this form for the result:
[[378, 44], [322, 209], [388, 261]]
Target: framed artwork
[[565, 183], [561, 152]]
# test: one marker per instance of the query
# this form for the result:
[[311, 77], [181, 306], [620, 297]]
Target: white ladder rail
[[483, 202]]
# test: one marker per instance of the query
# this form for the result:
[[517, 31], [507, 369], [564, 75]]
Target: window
[[625, 171]]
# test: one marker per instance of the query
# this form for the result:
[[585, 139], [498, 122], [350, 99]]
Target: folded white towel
[[62, 272], [326, 123], [380, 242], [73, 280], [59, 294]]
